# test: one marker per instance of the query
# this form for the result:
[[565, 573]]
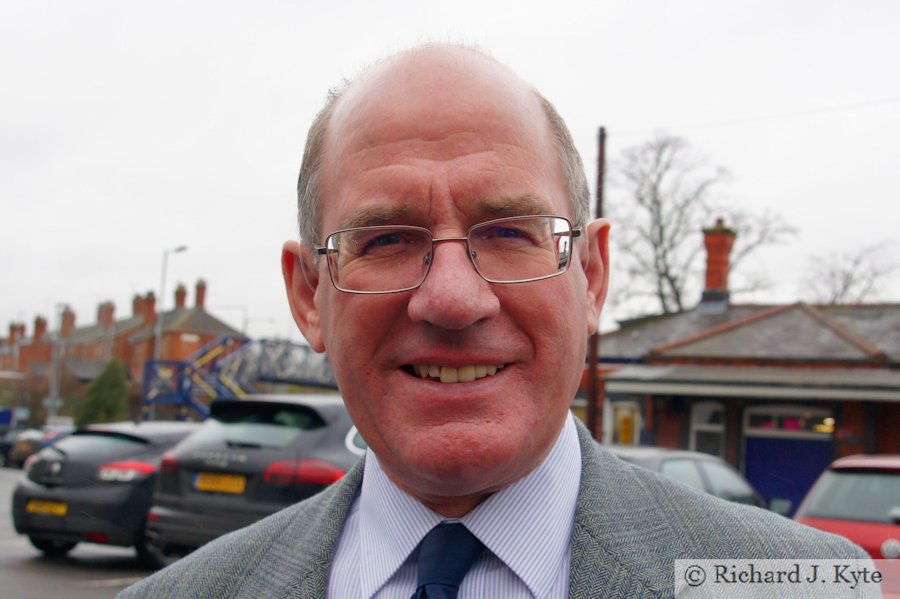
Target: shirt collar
[[527, 525]]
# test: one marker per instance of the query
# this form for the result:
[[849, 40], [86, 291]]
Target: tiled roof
[[187, 320], [796, 332], [97, 331]]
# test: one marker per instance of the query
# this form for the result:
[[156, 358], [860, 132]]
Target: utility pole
[[595, 390]]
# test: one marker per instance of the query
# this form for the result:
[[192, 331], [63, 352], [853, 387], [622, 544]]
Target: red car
[[858, 497]]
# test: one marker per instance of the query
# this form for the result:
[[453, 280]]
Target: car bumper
[[109, 514]]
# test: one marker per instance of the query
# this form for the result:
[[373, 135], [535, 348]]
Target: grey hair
[[308, 192]]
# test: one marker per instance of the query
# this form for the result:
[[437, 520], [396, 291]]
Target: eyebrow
[[521, 205], [372, 216]]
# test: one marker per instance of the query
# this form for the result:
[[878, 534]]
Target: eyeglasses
[[395, 258]]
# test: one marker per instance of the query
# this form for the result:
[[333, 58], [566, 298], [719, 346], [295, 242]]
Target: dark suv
[[251, 458]]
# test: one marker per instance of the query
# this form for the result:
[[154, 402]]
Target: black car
[[251, 458], [699, 470], [95, 485]]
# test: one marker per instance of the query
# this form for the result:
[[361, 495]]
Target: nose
[[453, 296]]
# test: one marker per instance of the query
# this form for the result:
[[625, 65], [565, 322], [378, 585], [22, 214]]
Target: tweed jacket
[[630, 526]]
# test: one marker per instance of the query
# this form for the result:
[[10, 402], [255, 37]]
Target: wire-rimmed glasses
[[395, 258]]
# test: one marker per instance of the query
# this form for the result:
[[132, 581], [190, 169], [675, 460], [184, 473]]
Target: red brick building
[[86, 349], [777, 390]]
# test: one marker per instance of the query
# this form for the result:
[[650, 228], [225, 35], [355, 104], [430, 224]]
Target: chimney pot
[[68, 322], [150, 308], [200, 293], [40, 328], [718, 241], [180, 296], [14, 333], [105, 314]]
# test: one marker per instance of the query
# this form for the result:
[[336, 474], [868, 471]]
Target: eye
[[384, 240], [384, 243], [508, 233]]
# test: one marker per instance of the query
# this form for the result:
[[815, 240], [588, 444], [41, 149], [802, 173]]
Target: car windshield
[[258, 425], [855, 495]]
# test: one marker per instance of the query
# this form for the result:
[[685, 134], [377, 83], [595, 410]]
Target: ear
[[595, 262], [301, 280]]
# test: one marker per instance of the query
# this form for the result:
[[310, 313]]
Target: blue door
[[784, 467]]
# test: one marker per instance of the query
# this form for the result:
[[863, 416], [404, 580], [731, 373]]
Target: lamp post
[[157, 346]]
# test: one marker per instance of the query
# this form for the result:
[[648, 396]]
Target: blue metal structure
[[226, 368]]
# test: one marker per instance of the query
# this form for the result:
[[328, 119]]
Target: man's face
[[445, 147]]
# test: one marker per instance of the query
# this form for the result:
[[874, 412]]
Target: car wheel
[[52, 547], [154, 555]]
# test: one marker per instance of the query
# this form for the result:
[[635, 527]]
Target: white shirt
[[526, 529]]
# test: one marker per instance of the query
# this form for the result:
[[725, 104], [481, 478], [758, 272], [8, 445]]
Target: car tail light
[[169, 463], [125, 472], [96, 537], [302, 472]]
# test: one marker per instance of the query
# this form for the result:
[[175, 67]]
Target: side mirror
[[780, 506]]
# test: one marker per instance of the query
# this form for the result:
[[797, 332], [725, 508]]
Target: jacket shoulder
[[632, 524]]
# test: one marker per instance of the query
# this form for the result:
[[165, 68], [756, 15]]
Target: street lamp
[[157, 346]]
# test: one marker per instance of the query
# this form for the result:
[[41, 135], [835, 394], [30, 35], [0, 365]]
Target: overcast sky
[[127, 128]]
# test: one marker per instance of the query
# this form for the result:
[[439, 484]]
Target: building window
[[788, 421], [708, 428]]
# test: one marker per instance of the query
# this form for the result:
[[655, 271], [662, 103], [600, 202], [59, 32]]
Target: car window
[[88, 445], [854, 495], [728, 484], [257, 425], [683, 470]]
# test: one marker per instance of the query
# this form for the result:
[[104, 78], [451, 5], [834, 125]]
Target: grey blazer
[[630, 526]]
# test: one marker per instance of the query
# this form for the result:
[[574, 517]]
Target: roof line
[[862, 344], [721, 328]]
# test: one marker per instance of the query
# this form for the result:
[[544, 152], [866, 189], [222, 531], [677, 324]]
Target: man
[[448, 268]]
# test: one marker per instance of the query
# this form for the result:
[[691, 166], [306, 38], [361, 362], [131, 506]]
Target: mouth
[[454, 374]]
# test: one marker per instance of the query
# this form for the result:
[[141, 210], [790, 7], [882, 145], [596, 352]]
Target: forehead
[[454, 120]]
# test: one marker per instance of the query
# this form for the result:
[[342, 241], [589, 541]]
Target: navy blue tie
[[445, 556]]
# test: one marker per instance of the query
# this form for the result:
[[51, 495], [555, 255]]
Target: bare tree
[[670, 198], [849, 277]]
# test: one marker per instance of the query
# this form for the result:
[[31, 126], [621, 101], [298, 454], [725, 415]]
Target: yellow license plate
[[220, 483], [41, 506]]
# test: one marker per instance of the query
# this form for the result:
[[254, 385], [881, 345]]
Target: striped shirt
[[526, 528]]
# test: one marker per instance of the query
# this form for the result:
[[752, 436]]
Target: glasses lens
[[521, 249], [378, 259]]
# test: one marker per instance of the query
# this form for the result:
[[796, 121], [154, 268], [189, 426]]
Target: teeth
[[450, 374]]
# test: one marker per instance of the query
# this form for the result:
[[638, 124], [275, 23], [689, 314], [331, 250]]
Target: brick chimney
[[149, 308], [40, 328], [16, 332], [180, 296], [200, 293], [106, 314], [718, 241], [68, 322], [137, 305]]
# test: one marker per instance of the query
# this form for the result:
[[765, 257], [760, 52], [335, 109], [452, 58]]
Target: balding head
[[425, 69]]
